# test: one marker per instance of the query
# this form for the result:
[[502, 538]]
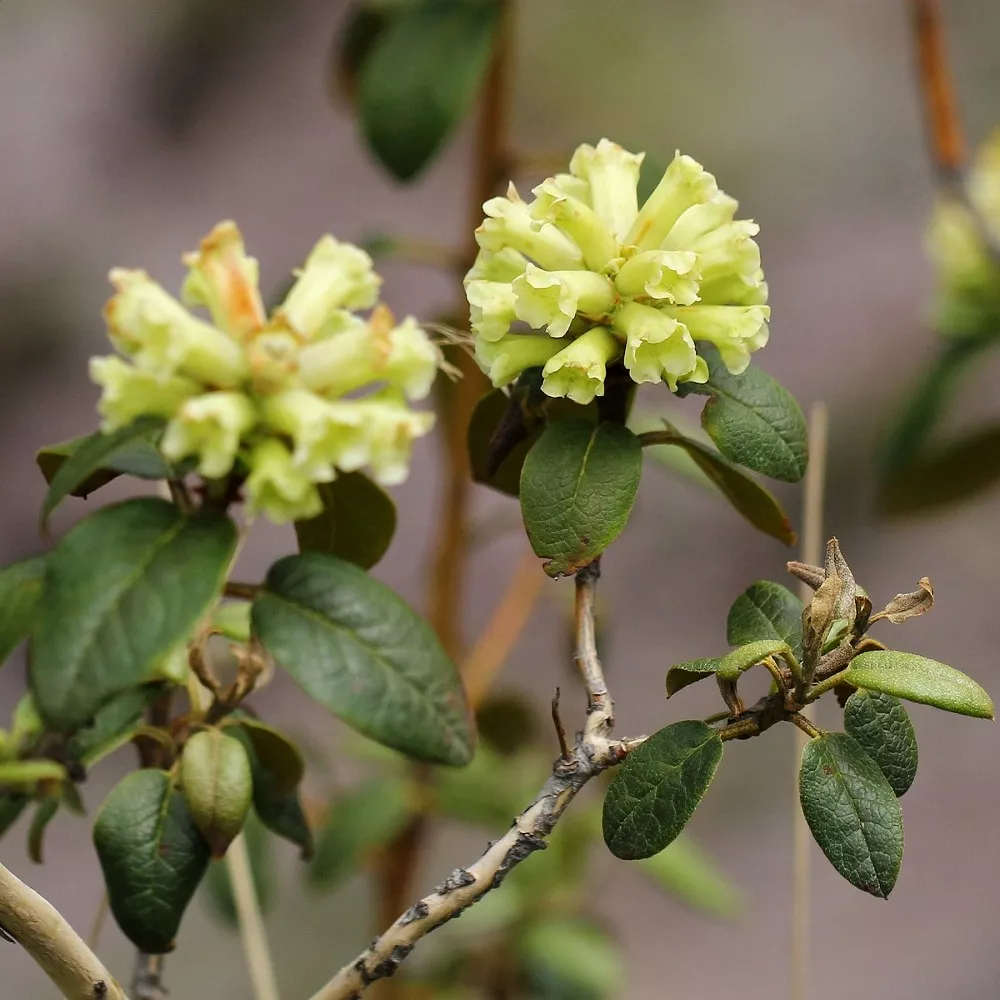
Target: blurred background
[[127, 130]]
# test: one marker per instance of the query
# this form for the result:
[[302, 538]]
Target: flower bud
[[578, 220], [211, 427], [509, 225], [656, 345], [684, 184], [277, 488], [217, 781], [161, 336], [736, 331], [613, 176], [391, 428], [335, 276], [578, 370], [129, 393], [504, 359], [224, 280], [670, 275], [551, 299], [491, 307]]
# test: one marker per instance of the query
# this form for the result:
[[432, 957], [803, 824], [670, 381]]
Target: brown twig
[[944, 127], [565, 753], [502, 631], [593, 752], [394, 873], [242, 591]]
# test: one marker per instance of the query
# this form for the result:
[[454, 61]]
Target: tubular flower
[[958, 242], [283, 400], [606, 280]]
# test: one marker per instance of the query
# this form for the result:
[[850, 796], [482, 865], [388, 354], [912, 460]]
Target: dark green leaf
[[955, 472], [747, 497], [153, 858], [218, 890], [916, 678], [852, 812], [689, 874], [753, 420], [275, 752], [363, 819], [357, 522], [124, 587], [566, 958], [766, 610], [44, 815], [355, 647], [12, 805], [658, 787], [882, 726], [502, 430], [578, 485], [20, 590], [927, 400], [687, 673], [81, 466], [113, 725], [421, 77], [217, 782], [280, 812], [359, 32], [744, 657]]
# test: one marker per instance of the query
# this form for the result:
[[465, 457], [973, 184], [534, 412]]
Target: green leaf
[[882, 726], [565, 957], [20, 590], [217, 782], [361, 820], [578, 485], [357, 522], [503, 429], [355, 647], [124, 587], [280, 812], [685, 871], [421, 77], [12, 804], [688, 673], [232, 620], [955, 472], [744, 657], [113, 726], [927, 401], [852, 812], [766, 610], [217, 887], [916, 678], [658, 787], [44, 815], [753, 420], [276, 753], [152, 856], [81, 466], [747, 497]]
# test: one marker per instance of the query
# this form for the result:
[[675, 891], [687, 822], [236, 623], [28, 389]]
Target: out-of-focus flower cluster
[[958, 241], [607, 280], [288, 398]]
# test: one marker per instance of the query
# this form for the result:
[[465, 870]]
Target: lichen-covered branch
[[35, 924], [593, 752]]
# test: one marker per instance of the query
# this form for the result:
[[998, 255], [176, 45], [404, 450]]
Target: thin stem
[[179, 494], [35, 924], [506, 624], [944, 127], [250, 921], [593, 753], [97, 925], [565, 753], [242, 591], [826, 685], [147, 980], [802, 723], [812, 549]]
